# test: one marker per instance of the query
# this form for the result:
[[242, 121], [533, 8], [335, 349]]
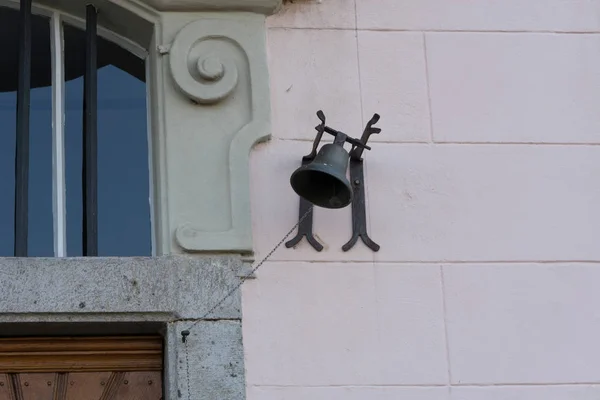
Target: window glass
[[40, 239], [7, 171], [123, 168]]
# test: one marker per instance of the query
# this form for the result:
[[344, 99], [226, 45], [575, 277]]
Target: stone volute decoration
[[209, 104], [220, 65]]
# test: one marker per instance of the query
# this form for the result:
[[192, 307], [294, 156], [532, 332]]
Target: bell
[[323, 182]]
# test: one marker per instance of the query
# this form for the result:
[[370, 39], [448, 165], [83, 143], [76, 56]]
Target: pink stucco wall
[[483, 191]]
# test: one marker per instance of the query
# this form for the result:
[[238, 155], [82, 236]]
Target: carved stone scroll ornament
[[220, 64], [205, 78]]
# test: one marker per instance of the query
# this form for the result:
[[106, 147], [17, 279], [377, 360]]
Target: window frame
[[57, 19]]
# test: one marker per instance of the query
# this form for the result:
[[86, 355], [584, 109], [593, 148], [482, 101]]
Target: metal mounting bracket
[[305, 228], [359, 214]]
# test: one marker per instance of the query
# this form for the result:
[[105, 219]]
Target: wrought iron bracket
[[359, 214], [305, 228]]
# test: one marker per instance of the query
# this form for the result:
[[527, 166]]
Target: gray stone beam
[[70, 296]]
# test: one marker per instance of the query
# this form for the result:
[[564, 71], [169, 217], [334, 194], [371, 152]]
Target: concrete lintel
[[101, 289]]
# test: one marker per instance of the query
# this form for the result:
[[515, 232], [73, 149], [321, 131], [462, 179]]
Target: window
[[54, 192]]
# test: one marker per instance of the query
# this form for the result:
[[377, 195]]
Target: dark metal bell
[[323, 182]]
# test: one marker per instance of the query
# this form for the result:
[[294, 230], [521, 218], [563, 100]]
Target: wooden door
[[81, 368]]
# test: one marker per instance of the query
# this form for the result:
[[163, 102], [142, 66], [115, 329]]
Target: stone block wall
[[483, 192]]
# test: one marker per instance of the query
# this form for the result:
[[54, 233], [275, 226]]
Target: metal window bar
[[90, 137], [22, 139]]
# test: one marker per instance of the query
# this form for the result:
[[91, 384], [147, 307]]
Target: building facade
[[480, 189]]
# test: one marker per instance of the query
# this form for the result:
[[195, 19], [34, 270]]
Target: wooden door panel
[[5, 387], [112, 368], [82, 386], [37, 386], [139, 386], [86, 385]]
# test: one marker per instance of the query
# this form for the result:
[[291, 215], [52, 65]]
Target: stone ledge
[[102, 288], [266, 7]]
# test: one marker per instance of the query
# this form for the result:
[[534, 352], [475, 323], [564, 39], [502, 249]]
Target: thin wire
[[185, 333], [243, 279], [187, 371]]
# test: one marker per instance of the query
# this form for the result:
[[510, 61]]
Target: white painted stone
[[523, 323], [315, 14], [311, 324], [275, 208], [348, 393], [505, 15], [411, 345], [484, 202], [514, 87], [562, 392], [312, 70], [344, 324], [394, 84]]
